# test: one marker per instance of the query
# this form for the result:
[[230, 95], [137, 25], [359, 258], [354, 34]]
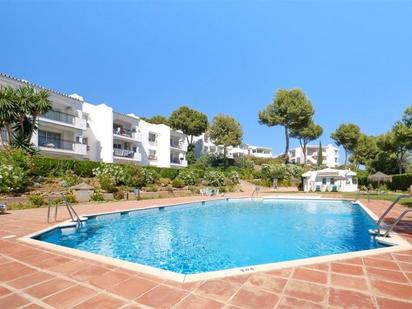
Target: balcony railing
[[152, 157], [57, 143], [123, 132], [176, 144], [178, 161], [60, 116], [124, 153]]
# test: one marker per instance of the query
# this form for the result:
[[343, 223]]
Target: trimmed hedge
[[399, 182], [43, 166]]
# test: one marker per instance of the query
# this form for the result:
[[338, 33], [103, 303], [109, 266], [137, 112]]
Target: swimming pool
[[223, 234]]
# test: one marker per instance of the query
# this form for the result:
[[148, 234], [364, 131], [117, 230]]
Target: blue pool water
[[223, 234]]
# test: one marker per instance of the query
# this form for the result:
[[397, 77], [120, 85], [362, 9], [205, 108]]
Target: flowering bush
[[138, 177], [12, 178], [281, 171], [215, 178], [233, 178], [188, 177], [109, 176]]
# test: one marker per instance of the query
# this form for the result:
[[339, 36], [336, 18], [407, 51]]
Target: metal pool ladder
[[256, 190], [73, 214], [377, 232]]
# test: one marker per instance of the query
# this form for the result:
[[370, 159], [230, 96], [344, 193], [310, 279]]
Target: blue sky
[[353, 59]]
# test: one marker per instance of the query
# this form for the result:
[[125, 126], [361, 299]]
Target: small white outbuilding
[[330, 180]]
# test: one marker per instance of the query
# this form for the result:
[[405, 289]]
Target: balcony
[[178, 162], [130, 134], [60, 145], [127, 154], [65, 118], [178, 145], [152, 157]]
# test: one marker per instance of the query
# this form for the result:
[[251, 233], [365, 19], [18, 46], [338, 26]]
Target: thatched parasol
[[380, 177]]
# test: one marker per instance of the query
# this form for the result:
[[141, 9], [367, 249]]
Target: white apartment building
[[163, 146], [62, 130], [205, 145], [132, 140], [330, 155], [81, 130]]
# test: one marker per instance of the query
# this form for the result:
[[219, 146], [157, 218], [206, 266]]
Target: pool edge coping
[[396, 241]]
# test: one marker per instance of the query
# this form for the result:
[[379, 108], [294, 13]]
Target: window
[[152, 137], [127, 146], [323, 181], [117, 146], [50, 138], [332, 181], [355, 181], [152, 154]]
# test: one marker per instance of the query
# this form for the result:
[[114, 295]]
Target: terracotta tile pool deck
[[35, 277]]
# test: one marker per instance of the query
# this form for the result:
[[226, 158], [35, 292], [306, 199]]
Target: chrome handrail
[[388, 210], [73, 214], [396, 222]]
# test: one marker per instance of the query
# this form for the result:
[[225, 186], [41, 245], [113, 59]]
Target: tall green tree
[[19, 112], [191, 122], [158, 119], [226, 131], [365, 151], [290, 109], [347, 136], [305, 135], [319, 163]]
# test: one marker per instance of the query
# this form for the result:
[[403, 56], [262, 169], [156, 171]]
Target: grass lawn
[[388, 196]]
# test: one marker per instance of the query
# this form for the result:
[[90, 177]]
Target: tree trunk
[[304, 152], [287, 145], [346, 157], [8, 127], [224, 156]]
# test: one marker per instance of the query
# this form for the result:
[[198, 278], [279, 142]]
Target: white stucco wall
[[100, 132], [162, 145]]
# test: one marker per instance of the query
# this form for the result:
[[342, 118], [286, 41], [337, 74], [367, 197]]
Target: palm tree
[[19, 112]]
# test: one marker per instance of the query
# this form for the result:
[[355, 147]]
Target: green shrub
[[84, 168], [108, 182], [164, 182], [178, 183], [262, 182], [222, 189], [70, 198], [189, 177], [44, 166], [119, 195], [170, 173], [14, 165], [36, 200], [70, 179], [281, 171], [97, 197], [109, 176], [400, 182], [233, 178], [215, 178], [139, 177], [151, 188], [12, 178]]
